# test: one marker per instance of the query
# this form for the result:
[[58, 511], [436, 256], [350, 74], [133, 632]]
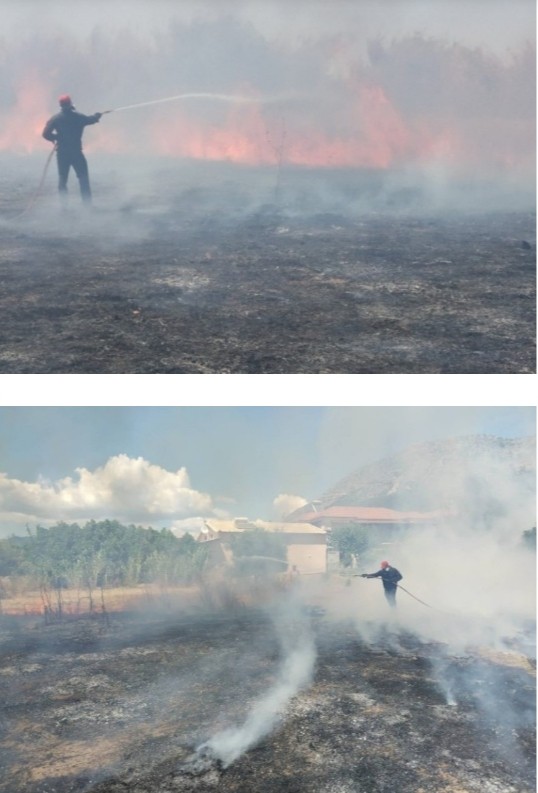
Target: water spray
[[236, 98], [216, 97]]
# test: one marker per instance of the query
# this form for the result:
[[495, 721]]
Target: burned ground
[[88, 707], [205, 277]]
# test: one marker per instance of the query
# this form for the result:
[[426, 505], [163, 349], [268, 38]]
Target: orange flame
[[373, 134], [21, 129]]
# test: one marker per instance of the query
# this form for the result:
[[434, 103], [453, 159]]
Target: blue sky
[[165, 464]]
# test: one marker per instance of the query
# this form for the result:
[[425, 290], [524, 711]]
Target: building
[[306, 544], [380, 517], [384, 527]]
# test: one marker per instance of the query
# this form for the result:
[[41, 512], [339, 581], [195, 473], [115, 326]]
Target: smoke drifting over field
[[250, 670], [471, 569], [469, 562], [473, 573], [295, 672], [367, 94]]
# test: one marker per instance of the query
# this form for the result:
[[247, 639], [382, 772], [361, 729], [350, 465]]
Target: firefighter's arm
[[48, 132], [92, 119]]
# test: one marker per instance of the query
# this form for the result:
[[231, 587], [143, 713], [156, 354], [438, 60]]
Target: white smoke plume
[[468, 593], [295, 672], [479, 587]]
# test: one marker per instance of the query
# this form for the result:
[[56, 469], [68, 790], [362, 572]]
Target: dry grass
[[118, 599]]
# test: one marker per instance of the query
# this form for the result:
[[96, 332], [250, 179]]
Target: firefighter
[[390, 577], [65, 131]]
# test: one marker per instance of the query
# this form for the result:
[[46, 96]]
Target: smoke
[[295, 672], [431, 111], [472, 571], [471, 566]]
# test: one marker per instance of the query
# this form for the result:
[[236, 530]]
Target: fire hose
[[399, 586], [38, 189], [414, 596], [219, 97]]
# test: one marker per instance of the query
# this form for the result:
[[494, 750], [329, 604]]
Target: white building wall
[[308, 558]]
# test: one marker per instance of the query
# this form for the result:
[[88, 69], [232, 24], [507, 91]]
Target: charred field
[[126, 707], [201, 268]]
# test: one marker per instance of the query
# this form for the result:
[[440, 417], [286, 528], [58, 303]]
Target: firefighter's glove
[[364, 575], [98, 116]]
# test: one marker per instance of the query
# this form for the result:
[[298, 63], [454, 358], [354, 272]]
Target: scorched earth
[[204, 268], [126, 706]]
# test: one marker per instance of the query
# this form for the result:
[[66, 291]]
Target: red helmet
[[385, 564], [65, 100]]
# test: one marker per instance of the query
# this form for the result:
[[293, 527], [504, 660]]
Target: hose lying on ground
[[38, 189], [218, 97]]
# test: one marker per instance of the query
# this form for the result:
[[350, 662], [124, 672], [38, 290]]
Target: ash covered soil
[[209, 270], [123, 707]]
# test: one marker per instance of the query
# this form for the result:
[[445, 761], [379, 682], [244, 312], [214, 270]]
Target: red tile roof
[[367, 515]]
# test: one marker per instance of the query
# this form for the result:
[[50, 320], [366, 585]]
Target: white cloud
[[285, 503], [125, 488], [187, 526]]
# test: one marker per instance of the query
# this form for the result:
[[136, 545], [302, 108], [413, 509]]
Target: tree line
[[97, 555]]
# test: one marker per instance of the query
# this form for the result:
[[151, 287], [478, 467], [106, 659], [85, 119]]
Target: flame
[[21, 128], [369, 133], [243, 138], [379, 139]]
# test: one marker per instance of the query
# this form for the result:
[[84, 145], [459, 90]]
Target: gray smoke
[[472, 569]]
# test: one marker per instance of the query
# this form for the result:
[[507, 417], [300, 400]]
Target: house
[[331, 517], [384, 526], [306, 544]]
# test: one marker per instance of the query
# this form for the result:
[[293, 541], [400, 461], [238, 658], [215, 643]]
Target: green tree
[[97, 555], [350, 541], [259, 552], [11, 556]]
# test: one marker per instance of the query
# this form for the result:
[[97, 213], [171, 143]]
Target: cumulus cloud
[[285, 503], [194, 525], [125, 488]]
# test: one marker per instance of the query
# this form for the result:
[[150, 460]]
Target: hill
[[485, 476]]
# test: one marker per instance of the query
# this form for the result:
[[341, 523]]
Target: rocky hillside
[[482, 472]]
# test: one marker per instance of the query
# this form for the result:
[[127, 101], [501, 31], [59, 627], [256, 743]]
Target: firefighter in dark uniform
[[65, 131], [390, 577]]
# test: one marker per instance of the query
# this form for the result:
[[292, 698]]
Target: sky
[[171, 466]]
